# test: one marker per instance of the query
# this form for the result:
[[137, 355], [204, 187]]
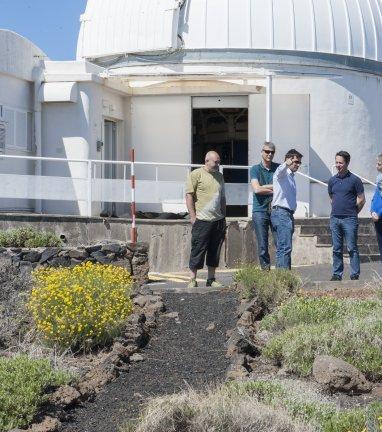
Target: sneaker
[[192, 284], [336, 278], [354, 277], [213, 283]]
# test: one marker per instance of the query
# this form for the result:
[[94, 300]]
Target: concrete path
[[314, 277]]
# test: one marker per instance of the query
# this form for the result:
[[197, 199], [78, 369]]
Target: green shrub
[[83, 306], [346, 328], [305, 310], [271, 287], [305, 405], [22, 384], [28, 237]]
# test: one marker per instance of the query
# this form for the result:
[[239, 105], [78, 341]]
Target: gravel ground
[[179, 354]]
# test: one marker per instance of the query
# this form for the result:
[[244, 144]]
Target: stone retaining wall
[[133, 257], [170, 240]]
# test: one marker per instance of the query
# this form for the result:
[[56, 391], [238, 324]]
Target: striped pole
[[133, 207]]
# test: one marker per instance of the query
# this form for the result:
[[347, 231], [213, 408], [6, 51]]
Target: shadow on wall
[[319, 169]]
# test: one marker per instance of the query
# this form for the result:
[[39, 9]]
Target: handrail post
[[89, 194], [124, 182], [134, 235]]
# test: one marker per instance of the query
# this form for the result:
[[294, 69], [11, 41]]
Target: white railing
[[365, 180], [90, 181]]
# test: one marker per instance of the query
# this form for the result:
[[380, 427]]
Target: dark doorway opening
[[224, 130]]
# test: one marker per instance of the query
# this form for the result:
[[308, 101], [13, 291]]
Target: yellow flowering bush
[[82, 306]]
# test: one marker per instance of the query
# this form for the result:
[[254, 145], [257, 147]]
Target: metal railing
[[89, 181], [365, 180]]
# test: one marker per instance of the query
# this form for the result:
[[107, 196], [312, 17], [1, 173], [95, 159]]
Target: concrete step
[[369, 249], [364, 258], [312, 230], [312, 221], [363, 239], [326, 221]]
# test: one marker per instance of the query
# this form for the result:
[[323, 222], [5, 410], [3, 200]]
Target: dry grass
[[219, 410], [255, 406], [14, 318]]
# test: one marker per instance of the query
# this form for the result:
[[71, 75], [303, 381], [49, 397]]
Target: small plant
[[22, 384], [271, 287], [28, 237], [81, 307]]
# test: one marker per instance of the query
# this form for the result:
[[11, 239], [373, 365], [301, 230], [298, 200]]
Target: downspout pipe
[[269, 109], [38, 78]]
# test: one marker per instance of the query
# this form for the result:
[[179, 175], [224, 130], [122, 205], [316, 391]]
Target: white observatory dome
[[342, 27]]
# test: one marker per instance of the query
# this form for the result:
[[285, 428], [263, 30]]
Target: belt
[[283, 208]]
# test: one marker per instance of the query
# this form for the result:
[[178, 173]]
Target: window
[[17, 129], [9, 118], [21, 129]]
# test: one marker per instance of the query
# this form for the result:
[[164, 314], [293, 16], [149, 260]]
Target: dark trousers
[[378, 231], [207, 238], [261, 223], [345, 227]]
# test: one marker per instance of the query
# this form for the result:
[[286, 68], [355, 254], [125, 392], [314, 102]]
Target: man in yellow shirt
[[206, 204]]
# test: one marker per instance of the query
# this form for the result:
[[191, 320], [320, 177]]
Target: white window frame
[[29, 145]]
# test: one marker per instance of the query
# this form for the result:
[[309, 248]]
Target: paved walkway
[[313, 277], [188, 350]]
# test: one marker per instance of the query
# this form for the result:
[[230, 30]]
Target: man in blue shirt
[[261, 181], [347, 195]]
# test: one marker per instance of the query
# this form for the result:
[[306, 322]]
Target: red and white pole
[[133, 206]]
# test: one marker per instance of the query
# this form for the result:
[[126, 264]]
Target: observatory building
[[173, 79]]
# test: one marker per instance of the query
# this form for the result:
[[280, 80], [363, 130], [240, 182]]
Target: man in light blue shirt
[[284, 205]]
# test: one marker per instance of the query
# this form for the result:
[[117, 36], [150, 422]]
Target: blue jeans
[[345, 227], [283, 224], [261, 223]]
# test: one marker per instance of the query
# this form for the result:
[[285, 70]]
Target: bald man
[[206, 204]]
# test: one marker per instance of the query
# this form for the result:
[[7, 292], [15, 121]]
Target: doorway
[[224, 130], [109, 170]]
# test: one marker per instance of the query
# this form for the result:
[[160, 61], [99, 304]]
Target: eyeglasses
[[297, 162], [269, 152]]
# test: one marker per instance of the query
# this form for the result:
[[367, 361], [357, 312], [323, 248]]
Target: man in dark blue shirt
[[262, 185], [346, 192]]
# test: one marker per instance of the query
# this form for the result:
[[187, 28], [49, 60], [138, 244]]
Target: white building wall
[[16, 96], [291, 130], [345, 114], [71, 130], [161, 132]]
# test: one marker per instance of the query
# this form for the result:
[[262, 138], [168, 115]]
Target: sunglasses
[[269, 151], [296, 162]]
